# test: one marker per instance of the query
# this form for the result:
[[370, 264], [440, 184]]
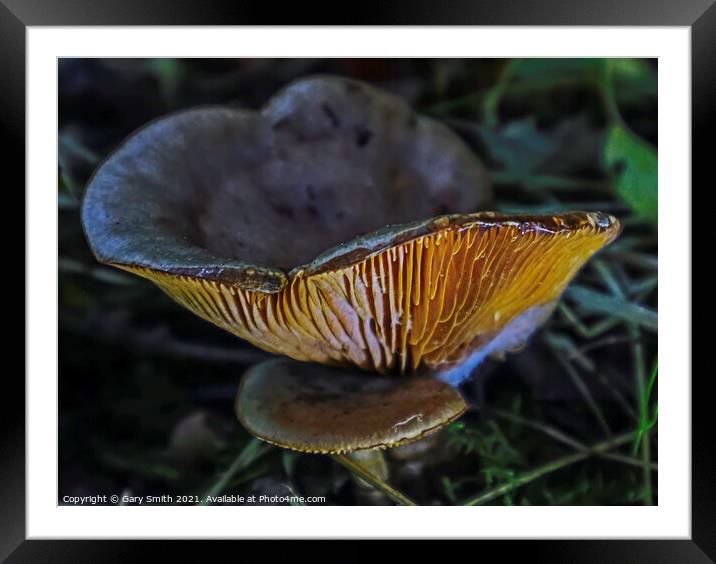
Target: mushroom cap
[[264, 223], [242, 197], [315, 408], [423, 296]]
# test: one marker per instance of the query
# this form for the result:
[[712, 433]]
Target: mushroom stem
[[356, 467]]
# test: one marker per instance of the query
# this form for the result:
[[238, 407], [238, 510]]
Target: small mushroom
[[338, 411], [331, 410]]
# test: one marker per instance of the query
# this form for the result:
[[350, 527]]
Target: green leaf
[[633, 162]]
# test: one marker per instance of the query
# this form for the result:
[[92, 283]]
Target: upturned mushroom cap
[[315, 408], [231, 214], [242, 197]]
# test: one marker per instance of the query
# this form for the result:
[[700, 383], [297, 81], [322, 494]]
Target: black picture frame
[[16, 15]]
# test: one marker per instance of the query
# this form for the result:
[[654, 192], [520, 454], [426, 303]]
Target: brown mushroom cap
[[242, 197], [314, 408], [231, 213]]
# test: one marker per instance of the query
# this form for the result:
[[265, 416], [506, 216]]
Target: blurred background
[[146, 389]]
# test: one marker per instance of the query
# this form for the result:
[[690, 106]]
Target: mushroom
[[272, 225], [337, 227], [335, 410]]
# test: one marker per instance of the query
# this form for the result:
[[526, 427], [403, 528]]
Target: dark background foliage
[[147, 389]]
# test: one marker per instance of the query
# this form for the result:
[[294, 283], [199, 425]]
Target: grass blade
[[597, 302], [356, 468], [250, 453], [530, 476]]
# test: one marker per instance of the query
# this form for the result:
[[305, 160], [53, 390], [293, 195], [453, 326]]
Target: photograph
[[410, 273], [357, 281]]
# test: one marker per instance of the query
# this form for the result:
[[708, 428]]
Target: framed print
[[297, 276]]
